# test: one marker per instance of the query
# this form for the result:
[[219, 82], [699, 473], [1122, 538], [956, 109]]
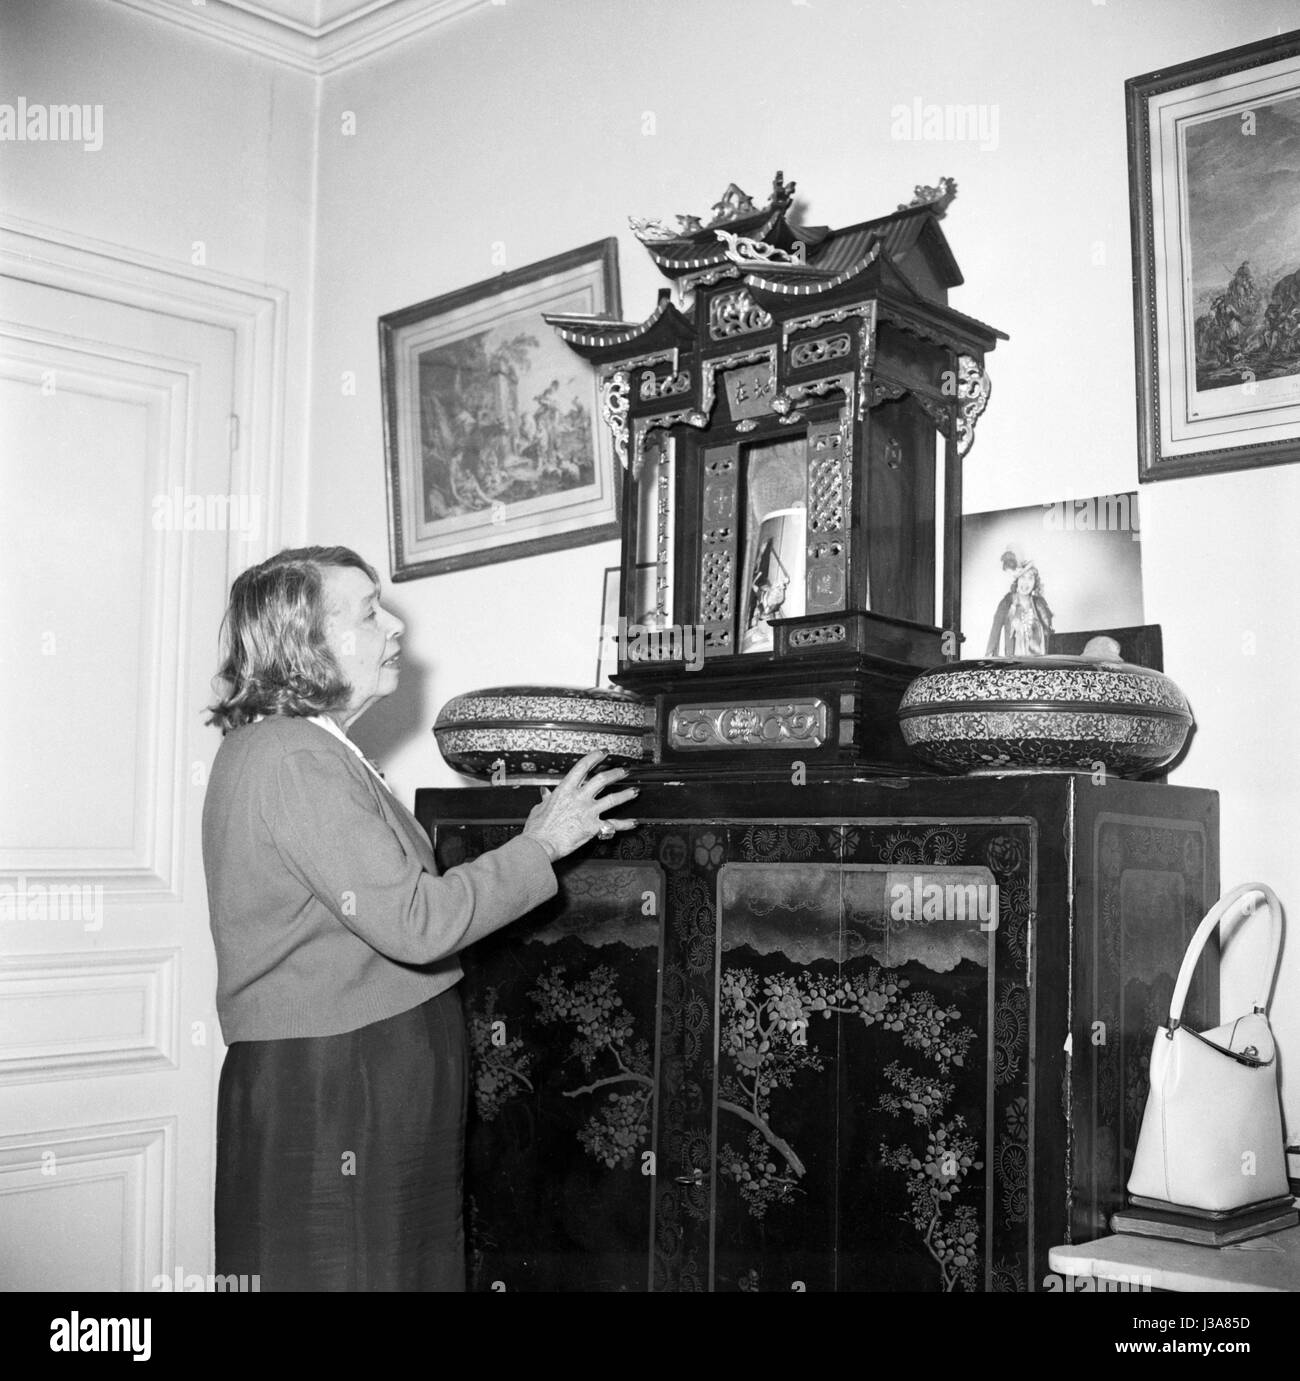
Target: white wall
[[201, 143], [542, 125]]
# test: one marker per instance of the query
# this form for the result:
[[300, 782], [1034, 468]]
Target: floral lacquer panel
[[561, 1010], [871, 1092]]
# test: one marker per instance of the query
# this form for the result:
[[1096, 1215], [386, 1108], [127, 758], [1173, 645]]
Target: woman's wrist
[[549, 849]]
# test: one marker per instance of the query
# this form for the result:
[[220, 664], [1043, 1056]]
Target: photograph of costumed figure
[[1023, 621], [1028, 573]]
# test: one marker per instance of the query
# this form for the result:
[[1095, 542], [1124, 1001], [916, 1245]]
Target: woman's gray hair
[[275, 659]]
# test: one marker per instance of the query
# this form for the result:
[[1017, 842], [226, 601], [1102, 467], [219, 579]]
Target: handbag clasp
[[1248, 1056]]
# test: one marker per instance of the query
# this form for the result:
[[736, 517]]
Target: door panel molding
[[256, 313], [73, 1016], [112, 1173], [164, 391]]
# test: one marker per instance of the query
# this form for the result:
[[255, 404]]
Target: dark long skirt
[[340, 1158]]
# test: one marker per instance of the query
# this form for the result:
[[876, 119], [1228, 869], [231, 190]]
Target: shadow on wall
[[400, 720]]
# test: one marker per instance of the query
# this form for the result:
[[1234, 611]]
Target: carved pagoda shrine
[[789, 509]]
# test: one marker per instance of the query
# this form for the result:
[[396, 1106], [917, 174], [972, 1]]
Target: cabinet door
[[745, 1119], [949, 1101], [562, 1013], [869, 1097]]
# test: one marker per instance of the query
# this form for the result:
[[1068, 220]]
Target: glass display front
[[774, 480]]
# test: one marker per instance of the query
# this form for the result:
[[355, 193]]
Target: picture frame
[[493, 439], [1216, 260]]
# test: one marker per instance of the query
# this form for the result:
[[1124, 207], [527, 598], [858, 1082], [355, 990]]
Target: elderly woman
[[340, 1120]]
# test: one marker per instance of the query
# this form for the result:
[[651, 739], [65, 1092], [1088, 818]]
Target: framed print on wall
[[1213, 149], [493, 438]]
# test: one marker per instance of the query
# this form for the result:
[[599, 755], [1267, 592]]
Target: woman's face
[[362, 635]]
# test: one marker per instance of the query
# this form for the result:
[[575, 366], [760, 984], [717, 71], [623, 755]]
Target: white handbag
[[1211, 1139]]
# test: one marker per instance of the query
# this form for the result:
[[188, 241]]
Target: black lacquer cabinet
[[856, 1035]]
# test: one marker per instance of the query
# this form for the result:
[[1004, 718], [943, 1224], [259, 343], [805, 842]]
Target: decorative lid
[[1055, 680]]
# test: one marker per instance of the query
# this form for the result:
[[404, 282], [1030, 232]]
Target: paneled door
[[117, 450]]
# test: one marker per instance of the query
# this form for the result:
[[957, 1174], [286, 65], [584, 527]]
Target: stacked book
[[1203, 1228]]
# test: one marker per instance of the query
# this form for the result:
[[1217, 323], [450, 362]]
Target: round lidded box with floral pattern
[[1045, 714], [511, 734]]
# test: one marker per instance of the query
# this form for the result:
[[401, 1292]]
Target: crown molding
[[344, 32]]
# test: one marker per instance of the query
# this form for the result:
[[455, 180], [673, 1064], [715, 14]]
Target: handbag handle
[[1228, 905]]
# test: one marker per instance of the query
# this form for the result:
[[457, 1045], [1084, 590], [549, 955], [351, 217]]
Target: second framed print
[[1213, 149]]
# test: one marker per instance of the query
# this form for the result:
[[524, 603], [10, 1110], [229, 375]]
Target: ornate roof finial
[[734, 205], [938, 199], [731, 205], [650, 230]]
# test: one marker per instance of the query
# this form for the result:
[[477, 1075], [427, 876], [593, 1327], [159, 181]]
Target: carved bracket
[[785, 404], [614, 392], [973, 390], [883, 390], [939, 413]]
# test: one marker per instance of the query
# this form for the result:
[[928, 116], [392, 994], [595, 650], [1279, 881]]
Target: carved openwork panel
[[823, 635], [664, 385], [751, 724], [810, 352], [736, 313], [718, 546], [828, 484]]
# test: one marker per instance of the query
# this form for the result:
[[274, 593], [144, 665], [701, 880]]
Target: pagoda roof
[[706, 249], [601, 339], [695, 245], [875, 273], [903, 257], [804, 251], [913, 227]]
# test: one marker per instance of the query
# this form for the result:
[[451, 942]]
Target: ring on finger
[[606, 831]]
